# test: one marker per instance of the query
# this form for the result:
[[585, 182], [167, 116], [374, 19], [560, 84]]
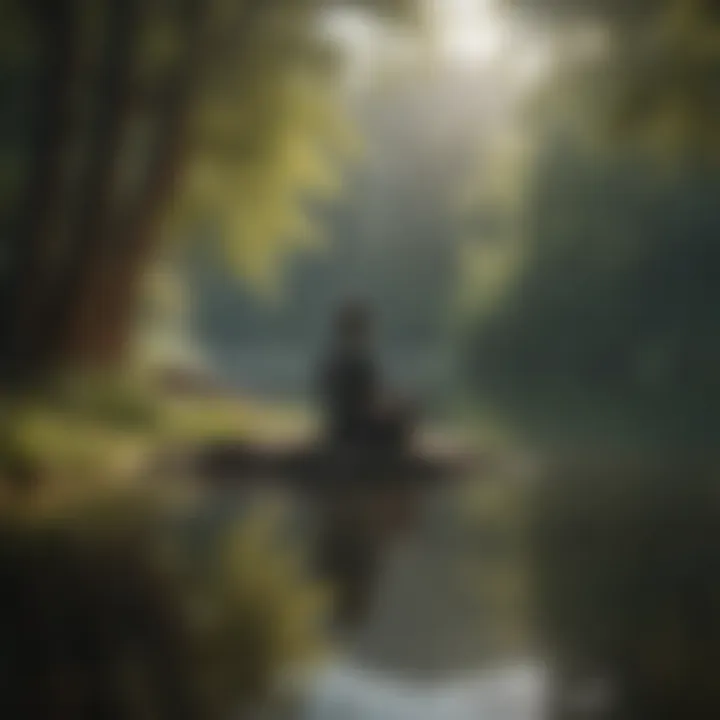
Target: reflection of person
[[358, 413]]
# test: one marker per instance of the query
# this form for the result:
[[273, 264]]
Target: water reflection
[[347, 692]]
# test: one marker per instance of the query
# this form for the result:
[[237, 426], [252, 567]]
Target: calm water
[[346, 692], [418, 655]]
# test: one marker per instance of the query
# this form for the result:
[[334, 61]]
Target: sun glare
[[468, 32], [473, 35]]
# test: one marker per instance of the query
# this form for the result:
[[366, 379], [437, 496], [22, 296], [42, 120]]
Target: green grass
[[201, 419], [245, 610], [106, 431]]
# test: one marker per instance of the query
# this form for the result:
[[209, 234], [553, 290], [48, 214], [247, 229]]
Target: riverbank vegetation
[[573, 285]]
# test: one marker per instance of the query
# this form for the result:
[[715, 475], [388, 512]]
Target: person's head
[[353, 325]]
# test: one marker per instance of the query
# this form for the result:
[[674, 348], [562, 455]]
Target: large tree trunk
[[96, 217], [104, 321], [86, 316], [35, 245], [100, 321]]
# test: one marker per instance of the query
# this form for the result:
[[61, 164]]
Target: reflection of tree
[[625, 562]]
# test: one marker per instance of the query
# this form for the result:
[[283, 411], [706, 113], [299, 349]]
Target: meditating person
[[359, 413]]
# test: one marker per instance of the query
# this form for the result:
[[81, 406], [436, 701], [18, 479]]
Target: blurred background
[[523, 194]]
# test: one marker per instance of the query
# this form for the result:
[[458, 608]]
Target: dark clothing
[[350, 390], [357, 413]]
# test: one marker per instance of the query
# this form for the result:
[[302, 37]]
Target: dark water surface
[[423, 653]]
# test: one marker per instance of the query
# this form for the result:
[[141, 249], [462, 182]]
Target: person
[[359, 413]]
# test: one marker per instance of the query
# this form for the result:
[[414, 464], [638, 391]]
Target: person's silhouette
[[358, 412]]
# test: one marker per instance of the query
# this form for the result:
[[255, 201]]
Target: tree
[[659, 71], [597, 304], [392, 235], [142, 112], [606, 319]]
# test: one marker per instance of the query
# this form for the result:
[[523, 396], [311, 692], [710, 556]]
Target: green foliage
[[605, 326], [393, 235], [105, 429], [654, 81], [69, 444], [218, 120], [126, 403], [268, 131]]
